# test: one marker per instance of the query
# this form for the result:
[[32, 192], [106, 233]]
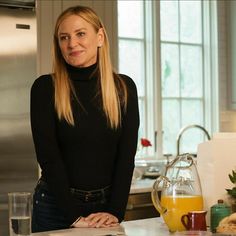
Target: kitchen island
[[140, 204], [145, 227]]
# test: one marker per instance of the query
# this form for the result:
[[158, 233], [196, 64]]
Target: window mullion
[[156, 48]]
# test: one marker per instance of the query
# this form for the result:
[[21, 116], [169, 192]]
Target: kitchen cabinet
[[231, 34], [140, 207]]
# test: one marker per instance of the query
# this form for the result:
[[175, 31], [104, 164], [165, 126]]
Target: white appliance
[[215, 161]]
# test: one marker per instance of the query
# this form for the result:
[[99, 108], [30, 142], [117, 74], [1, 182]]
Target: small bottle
[[218, 212]]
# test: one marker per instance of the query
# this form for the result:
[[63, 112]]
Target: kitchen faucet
[[186, 128]]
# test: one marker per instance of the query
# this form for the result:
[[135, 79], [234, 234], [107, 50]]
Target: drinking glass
[[19, 204]]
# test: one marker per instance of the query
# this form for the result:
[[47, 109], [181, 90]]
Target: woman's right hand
[[102, 220], [81, 223], [91, 221]]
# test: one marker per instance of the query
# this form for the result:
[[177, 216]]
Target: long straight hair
[[113, 89]]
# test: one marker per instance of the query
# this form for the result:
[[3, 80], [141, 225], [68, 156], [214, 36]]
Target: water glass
[[19, 204]]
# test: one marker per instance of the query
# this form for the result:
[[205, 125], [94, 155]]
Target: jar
[[218, 212]]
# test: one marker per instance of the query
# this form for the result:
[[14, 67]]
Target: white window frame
[[153, 101]]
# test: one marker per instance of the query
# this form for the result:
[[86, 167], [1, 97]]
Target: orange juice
[[176, 207]]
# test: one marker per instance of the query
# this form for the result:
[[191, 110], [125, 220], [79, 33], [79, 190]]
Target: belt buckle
[[87, 196]]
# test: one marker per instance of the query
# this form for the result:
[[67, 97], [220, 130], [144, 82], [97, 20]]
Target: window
[[181, 71], [133, 50], [185, 76]]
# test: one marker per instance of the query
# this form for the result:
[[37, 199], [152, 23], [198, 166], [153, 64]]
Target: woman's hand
[[81, 223], [101, 220]]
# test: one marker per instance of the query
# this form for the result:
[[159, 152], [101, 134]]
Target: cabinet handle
[[134, 206]]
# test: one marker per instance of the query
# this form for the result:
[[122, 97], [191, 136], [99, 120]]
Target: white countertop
[[146, 227], [141, 186]]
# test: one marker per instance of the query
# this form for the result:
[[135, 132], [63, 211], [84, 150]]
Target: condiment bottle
[[218, 212]]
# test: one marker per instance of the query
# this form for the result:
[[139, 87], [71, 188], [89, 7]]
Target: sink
[[148, 169], [152, 172]]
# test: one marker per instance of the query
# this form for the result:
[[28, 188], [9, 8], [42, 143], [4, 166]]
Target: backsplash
[[228, 121]]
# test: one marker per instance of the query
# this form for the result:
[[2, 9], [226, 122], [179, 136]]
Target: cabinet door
[[140, 207], [231, 33]]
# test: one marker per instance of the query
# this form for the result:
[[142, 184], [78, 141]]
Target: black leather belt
[[91, 196], [85, 196]]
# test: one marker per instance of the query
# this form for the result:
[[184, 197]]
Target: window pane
[[170, 70], [130, 17], [191, 71], [169, 20], [190, 140], [170, 121], [192, 113], [190, 21], [131, 61]]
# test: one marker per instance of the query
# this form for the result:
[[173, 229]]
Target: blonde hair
[[113, 89]]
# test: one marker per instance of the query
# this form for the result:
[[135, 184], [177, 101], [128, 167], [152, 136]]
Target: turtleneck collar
[[82, 73]]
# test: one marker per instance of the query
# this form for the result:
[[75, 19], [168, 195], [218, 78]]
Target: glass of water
[[19, 204]]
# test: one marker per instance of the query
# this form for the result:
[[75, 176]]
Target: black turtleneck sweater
[[88, 155]]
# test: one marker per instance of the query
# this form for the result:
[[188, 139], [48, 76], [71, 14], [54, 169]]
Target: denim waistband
[[83, 195]]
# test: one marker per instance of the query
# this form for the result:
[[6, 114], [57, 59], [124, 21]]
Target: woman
[[84, 121]]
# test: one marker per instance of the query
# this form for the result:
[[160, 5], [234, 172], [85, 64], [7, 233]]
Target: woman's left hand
[[101, 220]]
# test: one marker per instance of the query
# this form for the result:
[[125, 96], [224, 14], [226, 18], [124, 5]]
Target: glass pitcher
[[178, 192]]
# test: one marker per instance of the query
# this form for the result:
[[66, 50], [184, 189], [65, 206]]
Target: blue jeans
[[47, 216]]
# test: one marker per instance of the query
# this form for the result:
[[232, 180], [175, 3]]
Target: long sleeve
[[126, 152], [47, 149], [89, 155]]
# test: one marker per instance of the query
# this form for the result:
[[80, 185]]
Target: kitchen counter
[[142, 186], [146, 227]]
